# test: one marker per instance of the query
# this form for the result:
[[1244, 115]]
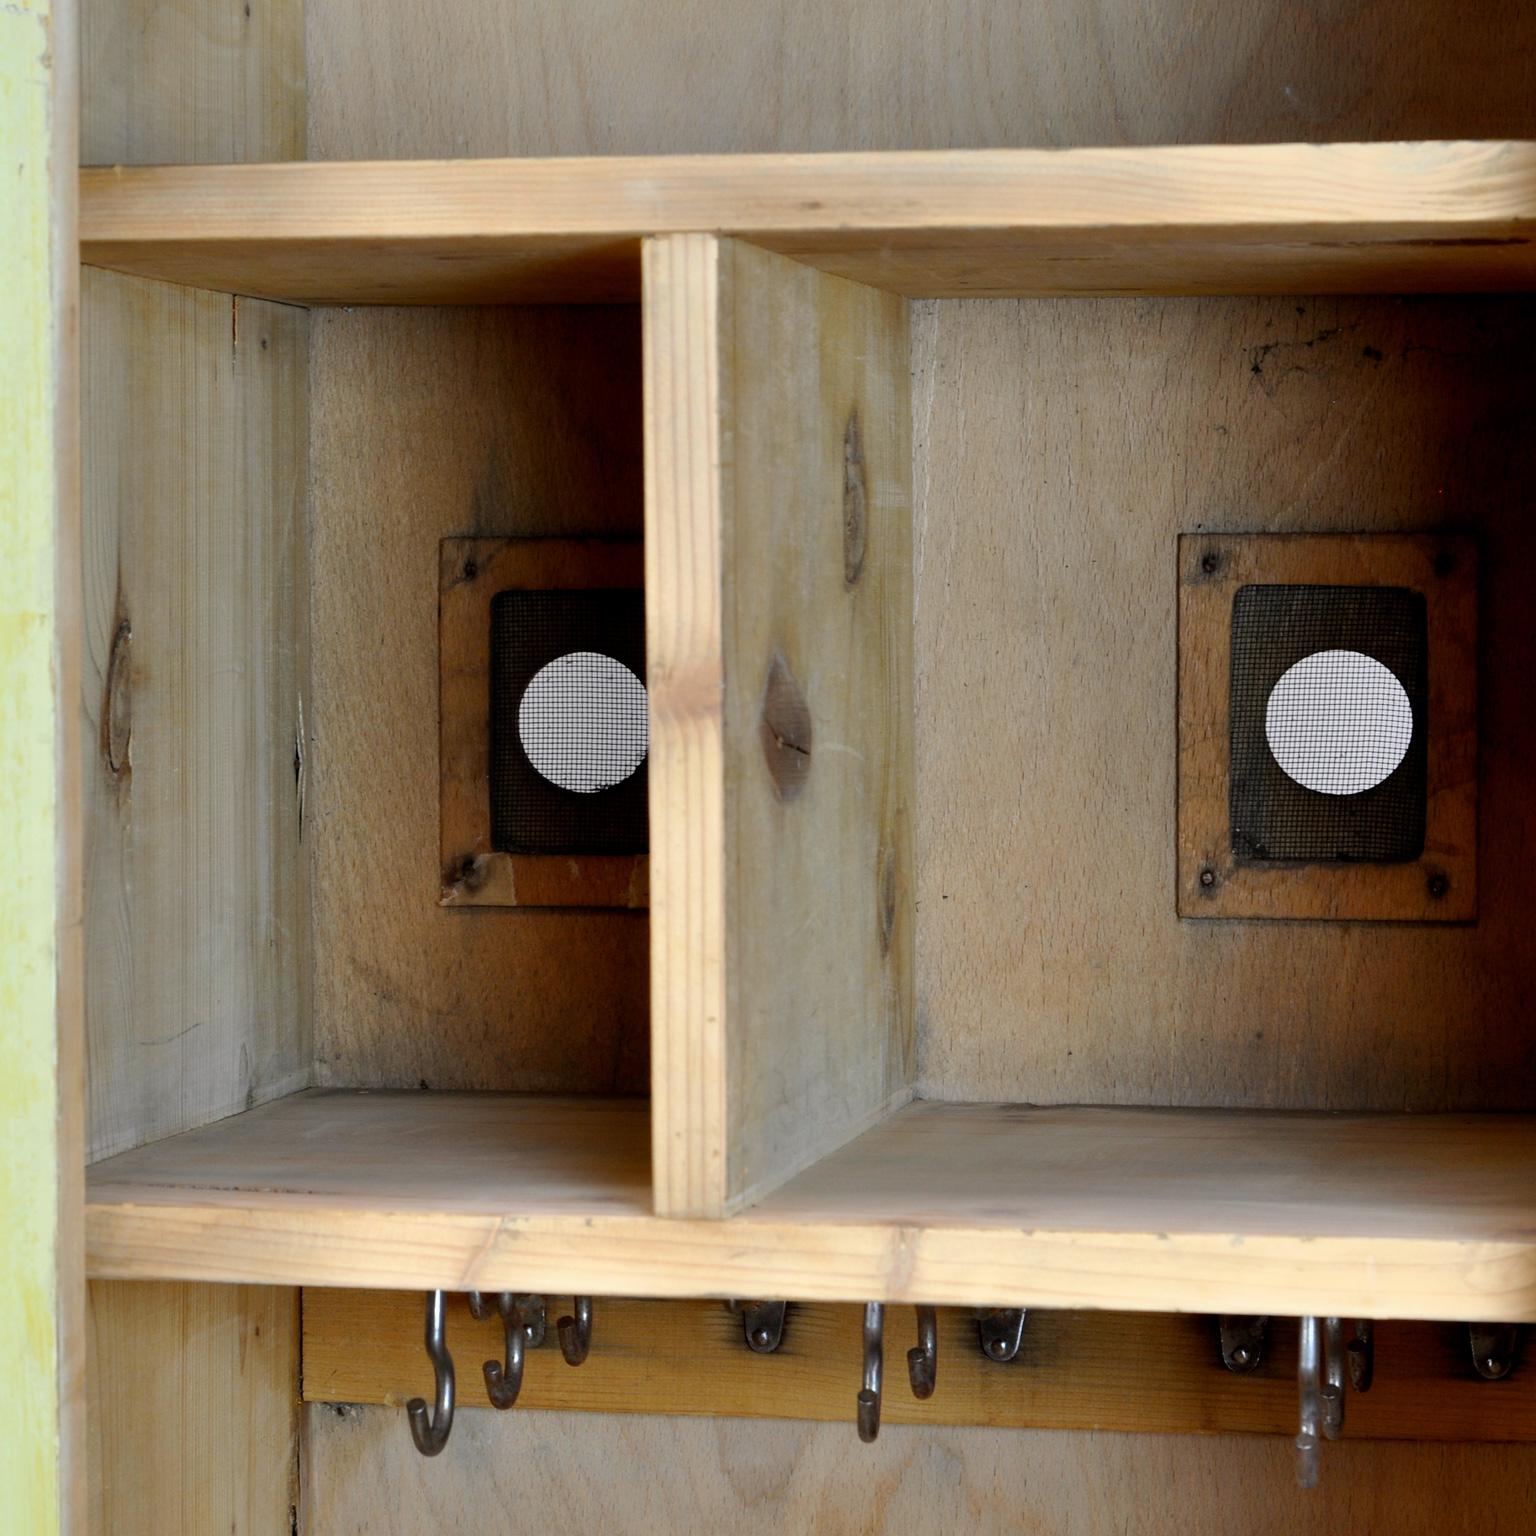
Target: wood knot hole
[[785, 730]]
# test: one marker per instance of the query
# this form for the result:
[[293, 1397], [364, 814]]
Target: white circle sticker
[[582, 721], [1339, 722]]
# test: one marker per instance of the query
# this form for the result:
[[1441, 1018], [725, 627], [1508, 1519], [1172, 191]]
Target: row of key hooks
[[1332, 1353], [523, 1324]]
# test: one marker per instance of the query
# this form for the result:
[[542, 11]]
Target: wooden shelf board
[[1276, 218], [1141, 1210]]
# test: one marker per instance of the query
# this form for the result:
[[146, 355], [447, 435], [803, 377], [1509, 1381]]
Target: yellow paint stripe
[[31, 1450]]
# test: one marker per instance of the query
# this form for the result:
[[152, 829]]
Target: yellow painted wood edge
[[41, 1167], [250, 1240]]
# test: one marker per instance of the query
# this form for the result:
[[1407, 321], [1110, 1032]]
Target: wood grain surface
[[195, 449], [1061, 449], [779, 585], [1386, 1216], [1299, 218], [194, 1406], [786, 76], [427, 425], [632, 1475], [196, 674]]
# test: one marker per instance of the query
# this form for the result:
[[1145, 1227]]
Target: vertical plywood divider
[[779, 640]]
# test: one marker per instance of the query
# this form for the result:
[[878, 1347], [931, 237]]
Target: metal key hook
[[923, 1361], [874, 1370], [504, 1379], [576, 1332], [431, 1434], [1309, 1374]]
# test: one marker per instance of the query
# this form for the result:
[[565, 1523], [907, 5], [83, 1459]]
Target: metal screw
[[1210, 564], [1207, 878], [1492, 1364], [1240, 1355], [997, 1348], [761, 1337], [471, 570], [1438, 886]]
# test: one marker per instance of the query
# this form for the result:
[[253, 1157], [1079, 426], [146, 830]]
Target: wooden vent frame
[[1440, 885], [471, 572]]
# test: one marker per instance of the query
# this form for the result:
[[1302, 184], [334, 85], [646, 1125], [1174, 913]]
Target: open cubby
[[911, 600]]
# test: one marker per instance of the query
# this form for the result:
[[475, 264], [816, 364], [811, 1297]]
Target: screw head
[[997, 1348], [1207, 878], [1210, 563], [1437, 886], [1240, 1355], [761, 1338]]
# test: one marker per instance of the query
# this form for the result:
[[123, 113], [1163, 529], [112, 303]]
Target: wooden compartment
[[911, 1016], [857, 896]]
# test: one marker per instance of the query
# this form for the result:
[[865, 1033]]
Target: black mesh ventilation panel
[[569, 730], [1329, 724]]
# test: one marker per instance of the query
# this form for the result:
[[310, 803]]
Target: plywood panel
[[197, 905], [194, 1409], [208, 80], [1144, 1371], [430, 424], [1061, 449], [1432, 218], [778, 639], [634, 1475], [632, 77]]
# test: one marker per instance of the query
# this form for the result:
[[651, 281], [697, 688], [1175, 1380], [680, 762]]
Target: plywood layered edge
[[1424, 1217], [1281, 218]]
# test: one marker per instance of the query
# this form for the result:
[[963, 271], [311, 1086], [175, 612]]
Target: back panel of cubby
[[427, 423], [1061, 447]]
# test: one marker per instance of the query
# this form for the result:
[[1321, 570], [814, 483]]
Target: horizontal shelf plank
[[1151, 1372], [1276, 218], [1140, 1210]]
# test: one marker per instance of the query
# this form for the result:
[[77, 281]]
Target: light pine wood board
[[970, 1205], [1060, 451], [529, 78], [778, 641], [632, 1475], [1428, 217], [1146, 1371], [195, 680], [42, 1092], [426, 425], [197, 923], [194, 1409]]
